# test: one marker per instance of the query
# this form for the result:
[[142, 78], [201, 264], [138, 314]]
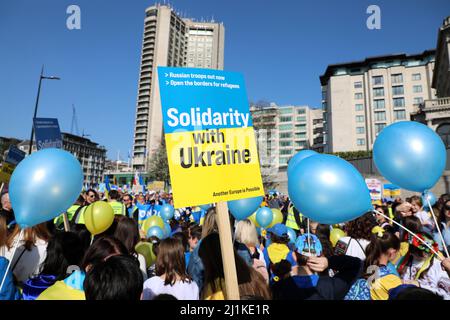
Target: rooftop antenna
[[85, 135]]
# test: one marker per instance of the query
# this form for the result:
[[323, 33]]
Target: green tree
[[158, 167]]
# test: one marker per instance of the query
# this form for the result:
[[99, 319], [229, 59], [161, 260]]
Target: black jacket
[[327, 288]]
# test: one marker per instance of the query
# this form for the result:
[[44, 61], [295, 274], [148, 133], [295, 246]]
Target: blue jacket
[[195, 267], [9, 290]]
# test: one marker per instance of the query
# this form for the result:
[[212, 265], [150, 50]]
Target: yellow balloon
[[277, 217], [335, 235], [146, 249], [152, 221], [98, 217], [252, 218]]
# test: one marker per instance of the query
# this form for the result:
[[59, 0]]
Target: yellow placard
[[156, 185], [210, 172], [6, 171]]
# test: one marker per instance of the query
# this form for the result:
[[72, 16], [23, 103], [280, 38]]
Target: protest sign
[[211, 147], [210, 140], [376, 190], [13, 157], [47, 133], [156, 186]]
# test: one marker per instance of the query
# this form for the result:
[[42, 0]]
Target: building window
[[301, 119], [359, 118], [397, 78], [417, 89], [380, 116], [416, 76], [399, 102], [379, 127], [301, 111], [301, 127], [285, 143], [285, 110], [359, 107], [444, 132], [358, 96], [285, 119], [285, 135], [358, 84], [378, 104], [285, 127], [418, 100], [300, 135], [360, 130], [283, 161], [361, 142], [324, 95], [399, 114], [397, 90], [300, 143], [377, 80], [285, 151], [378, 92]]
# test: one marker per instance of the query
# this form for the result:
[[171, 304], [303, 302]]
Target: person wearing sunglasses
[[91, 196]]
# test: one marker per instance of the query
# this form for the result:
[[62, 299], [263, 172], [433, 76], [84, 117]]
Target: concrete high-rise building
[[169, 40], [284, 130], [360, 98]]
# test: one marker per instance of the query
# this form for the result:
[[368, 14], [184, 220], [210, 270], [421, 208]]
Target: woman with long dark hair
[[127, 231], [171, 276], [250, 281], [63, 251]]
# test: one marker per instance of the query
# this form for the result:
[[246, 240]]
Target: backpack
[[360, 290]]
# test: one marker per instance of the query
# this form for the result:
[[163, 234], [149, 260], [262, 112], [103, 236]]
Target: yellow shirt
[[380, 288], [218, 295], [61, 291]]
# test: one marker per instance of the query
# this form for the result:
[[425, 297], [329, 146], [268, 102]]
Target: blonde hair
[[246, 233], [210, 224]]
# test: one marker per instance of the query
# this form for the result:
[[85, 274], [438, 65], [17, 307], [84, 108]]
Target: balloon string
[[410, 232], [309, 240], [437, 226], [16, 242]]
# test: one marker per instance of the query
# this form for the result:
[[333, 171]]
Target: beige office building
[[360, 98], [282, 131], [169, 40]]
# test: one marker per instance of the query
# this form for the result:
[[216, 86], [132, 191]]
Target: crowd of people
[[375, 260]]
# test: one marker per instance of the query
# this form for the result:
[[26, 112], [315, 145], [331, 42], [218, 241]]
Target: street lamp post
[[37, 102]]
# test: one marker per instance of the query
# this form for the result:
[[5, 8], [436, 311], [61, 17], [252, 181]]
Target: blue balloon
[[167, 230], [156, 231], [205, 206], [328, 190], [166, 212], [430, 197], [244, 208], [299, 156], [292, 235], [264, 216], [410, 155], [44, 185]]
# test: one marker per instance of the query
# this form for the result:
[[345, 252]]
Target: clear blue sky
[[281, 47]]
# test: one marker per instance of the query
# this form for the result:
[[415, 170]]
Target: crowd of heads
[[123, 263]]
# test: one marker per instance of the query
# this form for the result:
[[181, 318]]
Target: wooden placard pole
[[66, 222], [226, 246]]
